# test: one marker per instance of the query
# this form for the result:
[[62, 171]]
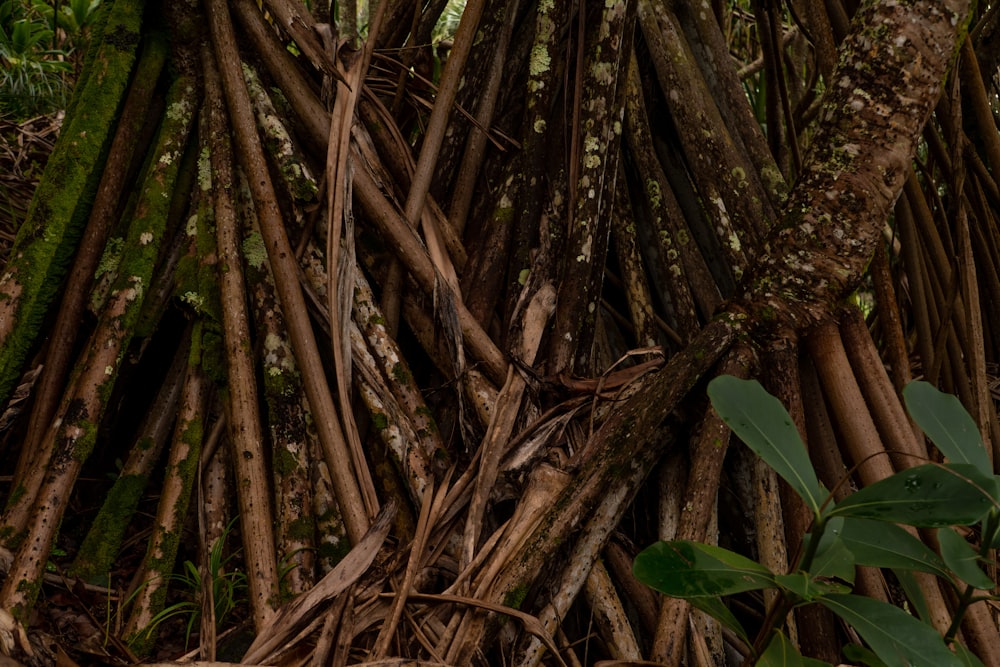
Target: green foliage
[[37, 47], [228, 591], [860, 530]]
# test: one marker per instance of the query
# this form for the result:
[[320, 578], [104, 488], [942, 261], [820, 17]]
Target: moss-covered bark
[[47, 239], [175, 498], [73, 435]]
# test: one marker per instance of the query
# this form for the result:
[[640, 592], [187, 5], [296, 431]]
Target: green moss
[[399, 373], [300, 529], [333, 552], [254, 250], [84, 445], [48, 237], [29, 589], [285, 463], [515, 597], [380, 421], [101, 545]]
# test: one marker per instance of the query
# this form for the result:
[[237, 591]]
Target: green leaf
[[946, 422], [967, 657], [991, 532], [718, 610], [781, 652], [929, 496], [914, 593], [761, 421], [898, 639], [833, 558], [962, 559], [880, 544], [856, 653], [808, 588], [685, 569]]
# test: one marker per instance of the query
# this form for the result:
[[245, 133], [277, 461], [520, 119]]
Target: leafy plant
[[228, 590], [860, 530], [37, 42]]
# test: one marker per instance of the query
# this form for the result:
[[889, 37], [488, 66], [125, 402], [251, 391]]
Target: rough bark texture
[[535, 403]]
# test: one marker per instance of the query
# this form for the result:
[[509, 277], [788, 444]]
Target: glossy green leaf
[[781, 652], [898, 639], [718, 610], [880, 544], [685, 569], [761, 421], [991, 533], [946, 422], [914, 594], [967, 657], [808, 588], [929, 496], [861, 655], [962, 559], [833, 558]]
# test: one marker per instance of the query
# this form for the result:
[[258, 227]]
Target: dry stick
[[409, 249], [340, 269], [286, 278], [416, 198], [451, 79], [89, 252], [533, 321], [430, 510], [317, 126], [246, 433], [861, 438], [303, 610]]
